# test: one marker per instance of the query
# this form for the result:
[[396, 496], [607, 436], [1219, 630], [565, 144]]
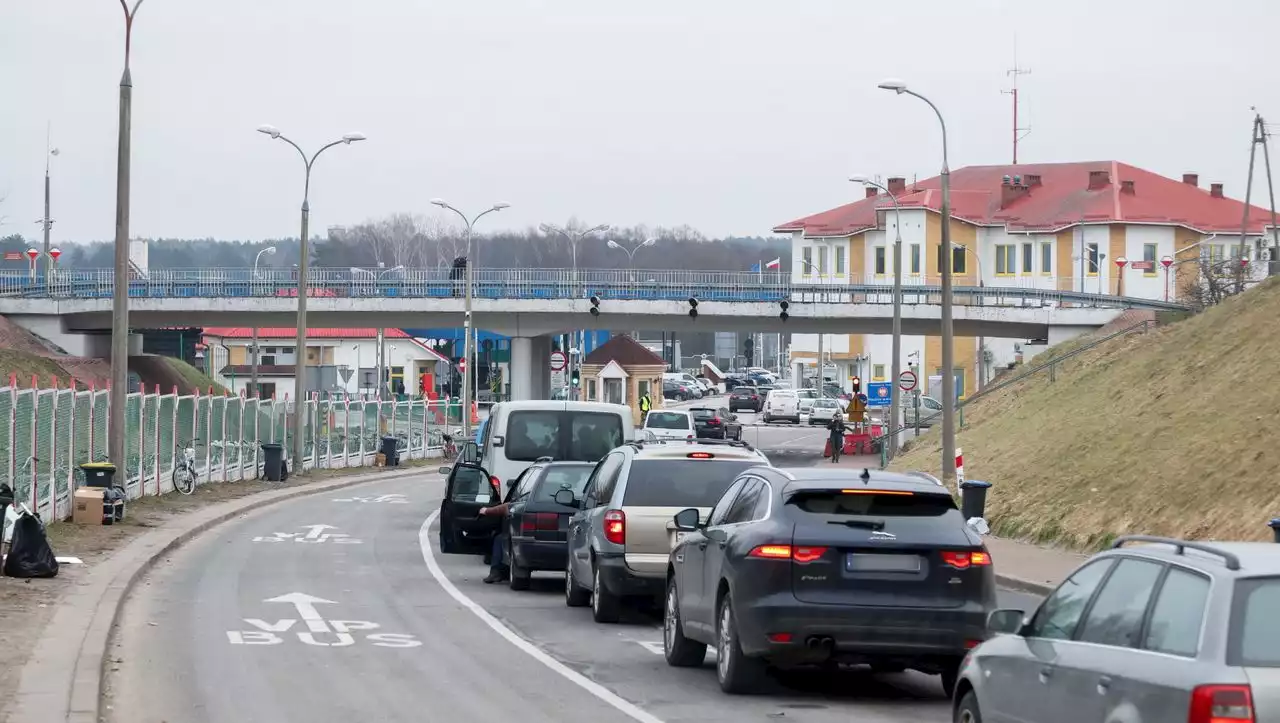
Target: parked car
[[806, 397], [679, 391], [468, 488], [669, 424], [824, 410], [782, 404], [808, 566], [746, 397], [715, 423], [1167, 630], [537, 526], [929, 409], [620, 538]]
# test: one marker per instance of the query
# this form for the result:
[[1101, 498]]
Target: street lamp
[[574, 238], [895, 395], [468, 337], [253, 350], [948, 338], [46, 223], [631, 252], [300, 356]]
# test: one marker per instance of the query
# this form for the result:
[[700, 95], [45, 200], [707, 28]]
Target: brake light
[[540, 521], [1221, 704], [807, 554], [895, 493], [700, 455], [713, 422], [799, 553], [496, 484], [964, 560], [615, 527]]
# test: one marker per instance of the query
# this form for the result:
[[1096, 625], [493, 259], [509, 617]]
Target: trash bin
[[1273, 524], [98, 474], [389, 451], [973, 498], [273, 461]]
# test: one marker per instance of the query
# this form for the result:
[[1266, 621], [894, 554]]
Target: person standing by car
[[835, 435], [645, 405], [498, 569]]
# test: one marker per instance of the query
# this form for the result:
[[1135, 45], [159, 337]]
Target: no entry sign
[[907, 381], [559, 360]]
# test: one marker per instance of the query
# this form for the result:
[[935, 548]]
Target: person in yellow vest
[[645, 405]]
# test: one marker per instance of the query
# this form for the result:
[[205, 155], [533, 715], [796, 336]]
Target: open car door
[[469, 488]]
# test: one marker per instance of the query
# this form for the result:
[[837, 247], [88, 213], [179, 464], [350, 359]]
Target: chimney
[[872, 191], [1031, 179], [1099, 180], [897, 186], [1127, 187], [1012, 189], [1191, 179], [1215, 190]]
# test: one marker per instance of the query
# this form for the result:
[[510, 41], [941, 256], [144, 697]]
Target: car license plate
[[857, 562]]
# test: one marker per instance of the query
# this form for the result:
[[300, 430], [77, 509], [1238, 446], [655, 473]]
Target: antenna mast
[[1018, 132]]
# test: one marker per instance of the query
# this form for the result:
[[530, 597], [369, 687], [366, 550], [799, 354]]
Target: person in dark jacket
[[835, 435], [498, 569], [458, 274]]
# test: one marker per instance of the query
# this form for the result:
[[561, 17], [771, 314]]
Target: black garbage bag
[[29, 553]]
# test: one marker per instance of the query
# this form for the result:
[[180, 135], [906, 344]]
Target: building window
[[877, 372], [1006, 259], [839, 260], [1046, 259], [915, 259], [958, 254], [642, 388], [1027, 258], [808, 260], [1149, 257], [880, 261], [591, 390], [822, 259], [1091, 253]]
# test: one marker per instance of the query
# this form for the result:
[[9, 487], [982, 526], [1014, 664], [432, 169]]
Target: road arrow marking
[[314, 531], [306, 606]]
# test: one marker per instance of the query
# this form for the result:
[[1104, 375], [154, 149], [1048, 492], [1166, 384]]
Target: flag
[[755, 267], [775, 264]]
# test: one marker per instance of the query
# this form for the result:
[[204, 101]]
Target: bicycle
[[450, 448], [184, 472]]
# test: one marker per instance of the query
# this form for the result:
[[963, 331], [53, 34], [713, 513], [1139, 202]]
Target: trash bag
[[29, 553]]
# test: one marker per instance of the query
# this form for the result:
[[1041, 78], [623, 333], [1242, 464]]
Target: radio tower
[[1018, 132]]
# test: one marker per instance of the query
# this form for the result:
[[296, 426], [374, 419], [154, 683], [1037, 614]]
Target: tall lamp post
[[895, 395], [574, 238], [944, 260], [120, 286], [253, 350], [468, 339], [631, 253], [304, 259], [46, 224]]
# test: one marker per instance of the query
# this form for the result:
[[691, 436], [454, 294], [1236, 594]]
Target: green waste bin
[[98, 474]]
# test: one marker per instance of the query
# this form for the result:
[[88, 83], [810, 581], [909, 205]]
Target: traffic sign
[[879, 394], [559, 360], [907, 381], [462, 365]]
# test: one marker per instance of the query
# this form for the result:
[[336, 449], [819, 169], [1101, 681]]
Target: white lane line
[[612, 699]]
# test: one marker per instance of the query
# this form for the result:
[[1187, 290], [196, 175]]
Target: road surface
[[330, 609]]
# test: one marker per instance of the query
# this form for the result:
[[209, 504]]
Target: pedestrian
[[645, 405], [458, 274], [499, 571], [835, 435]]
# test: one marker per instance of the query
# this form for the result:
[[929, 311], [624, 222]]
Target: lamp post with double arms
[[895, 394]]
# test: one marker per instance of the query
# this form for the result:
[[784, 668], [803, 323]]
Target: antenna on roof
[[1018, 132]]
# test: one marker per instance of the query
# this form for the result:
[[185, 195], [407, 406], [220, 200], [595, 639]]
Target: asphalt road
[[238, 627]]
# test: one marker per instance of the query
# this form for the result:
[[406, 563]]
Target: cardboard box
[[380, 460], [86, 506]]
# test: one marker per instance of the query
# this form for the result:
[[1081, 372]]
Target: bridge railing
[[550, 284]]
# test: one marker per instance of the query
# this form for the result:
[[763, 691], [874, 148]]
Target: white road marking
[[605, 695]]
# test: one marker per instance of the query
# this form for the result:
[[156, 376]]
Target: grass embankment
[[1169, 432], [25, 364]]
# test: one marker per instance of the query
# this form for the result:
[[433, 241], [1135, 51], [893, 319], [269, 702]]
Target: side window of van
[[485, 434]]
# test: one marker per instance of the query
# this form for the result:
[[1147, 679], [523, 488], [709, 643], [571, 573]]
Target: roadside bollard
[[1274, 524], [973, 498]]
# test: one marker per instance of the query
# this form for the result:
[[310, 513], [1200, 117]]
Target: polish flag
[[775, 264]]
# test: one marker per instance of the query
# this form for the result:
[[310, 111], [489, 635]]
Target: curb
[[64, 679], [1021, 584]]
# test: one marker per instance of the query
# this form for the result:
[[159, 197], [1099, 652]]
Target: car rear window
[[681, 482], [871, 502], [667, 420], [562, 478], [565, 436], [703, 413], [1254, 639]]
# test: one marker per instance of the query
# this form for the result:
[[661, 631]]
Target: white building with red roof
[[1052, 226]]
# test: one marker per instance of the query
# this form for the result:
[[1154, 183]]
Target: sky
[[731, 116]]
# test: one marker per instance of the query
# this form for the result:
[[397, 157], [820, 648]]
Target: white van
[[519, 433], [781, 404]]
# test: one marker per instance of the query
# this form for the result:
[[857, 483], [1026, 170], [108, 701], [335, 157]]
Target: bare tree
[[1214, 281]]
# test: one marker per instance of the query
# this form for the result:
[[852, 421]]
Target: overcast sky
[[728, 115]]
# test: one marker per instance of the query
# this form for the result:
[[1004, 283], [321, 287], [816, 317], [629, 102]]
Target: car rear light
[[1221, 704], [496, 484], [798, 553], [780, 637], [964, 560], [807, 554], [971, 644], [700, 455], [615, 527], [713, 422], [540, 521]]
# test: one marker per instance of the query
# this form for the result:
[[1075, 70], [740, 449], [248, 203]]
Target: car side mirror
[[566, 497], [687, 520], [470, 452], [1005, 622], [445, 471]]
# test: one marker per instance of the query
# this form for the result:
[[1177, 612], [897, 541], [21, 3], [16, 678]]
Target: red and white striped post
[[93, 401], [35, 441], [226, 457], [959, 466]]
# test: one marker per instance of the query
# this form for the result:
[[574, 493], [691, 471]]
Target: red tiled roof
[[236, 332], [626, 351], [1060, 200]]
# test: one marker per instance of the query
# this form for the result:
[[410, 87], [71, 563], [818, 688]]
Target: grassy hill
[[1171, 432]]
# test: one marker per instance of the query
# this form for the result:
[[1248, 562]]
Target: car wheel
[[680, 651], [967, 711], [736, 672], [604, 604], [574, 596], [519, 579], [950, 676]]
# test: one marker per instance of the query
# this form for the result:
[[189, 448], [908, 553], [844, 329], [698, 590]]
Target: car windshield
[[779, 394], [824, 403], [562, 477], [562, 435], [889, 503], [667, 420], [1254, 638], [681, 482]]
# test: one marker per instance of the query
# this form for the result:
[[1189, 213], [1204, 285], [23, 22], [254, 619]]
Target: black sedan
[[677, 391], [537, 525], [709, 423], [748, 398], [810, 566]]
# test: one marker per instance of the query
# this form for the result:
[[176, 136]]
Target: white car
[[670, 424], [824, 410], [807, 398], [781, 404]]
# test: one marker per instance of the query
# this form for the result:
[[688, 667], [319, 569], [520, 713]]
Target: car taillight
[[713, 422], [496, 484], [540, 521], [615, 527], [1221, 704], [964, 560], [797, 553]]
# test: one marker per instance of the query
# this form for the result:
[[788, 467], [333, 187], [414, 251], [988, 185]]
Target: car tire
[[519, 577], [967, 711], [679, 651], [605, 606], [574, 595], [950, 676], [736, 673]]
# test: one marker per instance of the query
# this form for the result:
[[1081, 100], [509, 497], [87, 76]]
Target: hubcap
[[672, 618], [725, 641]]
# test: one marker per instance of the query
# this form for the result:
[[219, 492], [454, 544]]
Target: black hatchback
[[537, 525]]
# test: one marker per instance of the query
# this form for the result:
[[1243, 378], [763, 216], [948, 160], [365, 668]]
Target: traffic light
[[693, 307], [748, 350], [784, 315], [575, 378], [857, 385], [595, 305]]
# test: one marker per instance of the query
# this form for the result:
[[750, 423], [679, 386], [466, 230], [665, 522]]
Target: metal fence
[[45, 434]]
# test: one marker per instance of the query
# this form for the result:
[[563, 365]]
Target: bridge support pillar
[[530, 368]]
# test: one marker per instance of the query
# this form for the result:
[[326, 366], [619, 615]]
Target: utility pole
[[1257, 136], [47, 223], [1018, 132]]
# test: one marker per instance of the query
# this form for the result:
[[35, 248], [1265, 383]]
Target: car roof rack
[[1180, 547]]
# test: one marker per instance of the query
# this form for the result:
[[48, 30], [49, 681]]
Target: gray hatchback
[[1166, 630]]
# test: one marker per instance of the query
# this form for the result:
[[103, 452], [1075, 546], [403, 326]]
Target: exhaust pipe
[[821, 643]]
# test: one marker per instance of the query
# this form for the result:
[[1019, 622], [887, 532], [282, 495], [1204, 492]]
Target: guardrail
[[549, 284]]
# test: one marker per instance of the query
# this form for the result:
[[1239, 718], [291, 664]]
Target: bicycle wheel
[[184, 479]]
